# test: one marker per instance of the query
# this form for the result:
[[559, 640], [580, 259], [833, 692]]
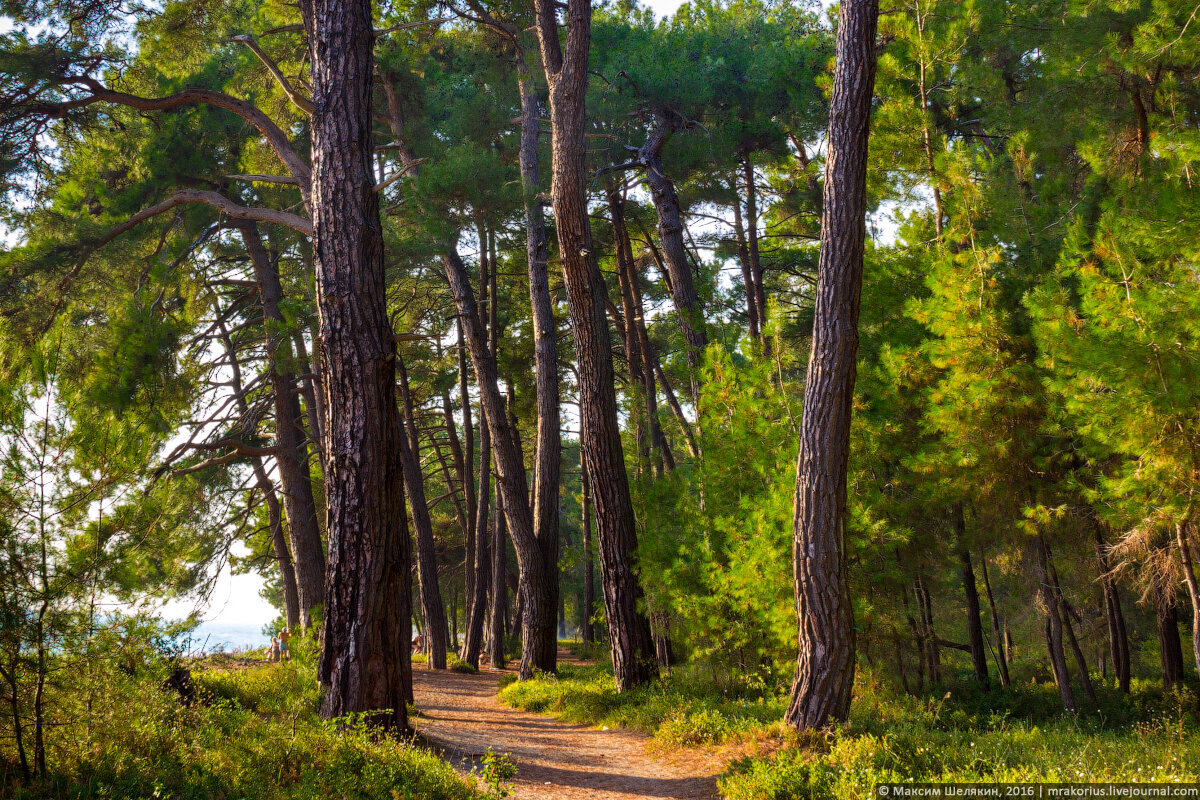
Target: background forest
[[1024, 453]]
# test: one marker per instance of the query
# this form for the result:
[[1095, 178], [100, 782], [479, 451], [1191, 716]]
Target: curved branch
[[99, 93], [217, 201]]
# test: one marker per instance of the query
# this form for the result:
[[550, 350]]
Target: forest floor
[[555, 760]]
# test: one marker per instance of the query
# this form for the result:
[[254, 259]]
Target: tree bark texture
[[548, 455], [365, 665], [566, 74], [825, 665]]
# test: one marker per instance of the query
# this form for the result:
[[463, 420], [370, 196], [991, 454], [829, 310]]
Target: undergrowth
[[253, 732], [958, 732]]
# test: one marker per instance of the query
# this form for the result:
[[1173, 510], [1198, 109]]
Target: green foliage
[[254, 732]]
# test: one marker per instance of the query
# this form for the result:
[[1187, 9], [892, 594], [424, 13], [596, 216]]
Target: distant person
[[417, 641], [273, 650], [285, 651]]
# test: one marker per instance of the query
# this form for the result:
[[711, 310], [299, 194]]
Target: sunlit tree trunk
[[365, 665], [566, 74], [825, 665]]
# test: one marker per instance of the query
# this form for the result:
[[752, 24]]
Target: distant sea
[[215, 635]]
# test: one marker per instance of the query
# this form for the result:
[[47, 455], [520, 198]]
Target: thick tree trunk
[[1001, 648], [436, 634], [1053, 626], [548, 456], [1170, 647], [365, 664], [291, 449], [629, 631], [825, 664], [971, 591]]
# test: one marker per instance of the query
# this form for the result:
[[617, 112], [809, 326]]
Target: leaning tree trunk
[[436, 634], [566, 74], [825, 665], [291, 450], [365, 665]]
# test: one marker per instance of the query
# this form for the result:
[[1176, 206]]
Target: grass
[[254, 732], [958, 733]]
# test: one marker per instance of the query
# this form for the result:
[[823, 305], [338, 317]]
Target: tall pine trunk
[[365, 665], [566, 74], [548, 456], [825, 664]]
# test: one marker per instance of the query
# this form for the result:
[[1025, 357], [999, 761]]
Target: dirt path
[[555, 760]]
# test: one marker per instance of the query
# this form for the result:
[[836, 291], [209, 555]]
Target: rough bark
[[637, 343], [548, 455], [566, 73], [468, 477], [436, 633], [291, 448], [825, 664], [365, 665], [499, 597]]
